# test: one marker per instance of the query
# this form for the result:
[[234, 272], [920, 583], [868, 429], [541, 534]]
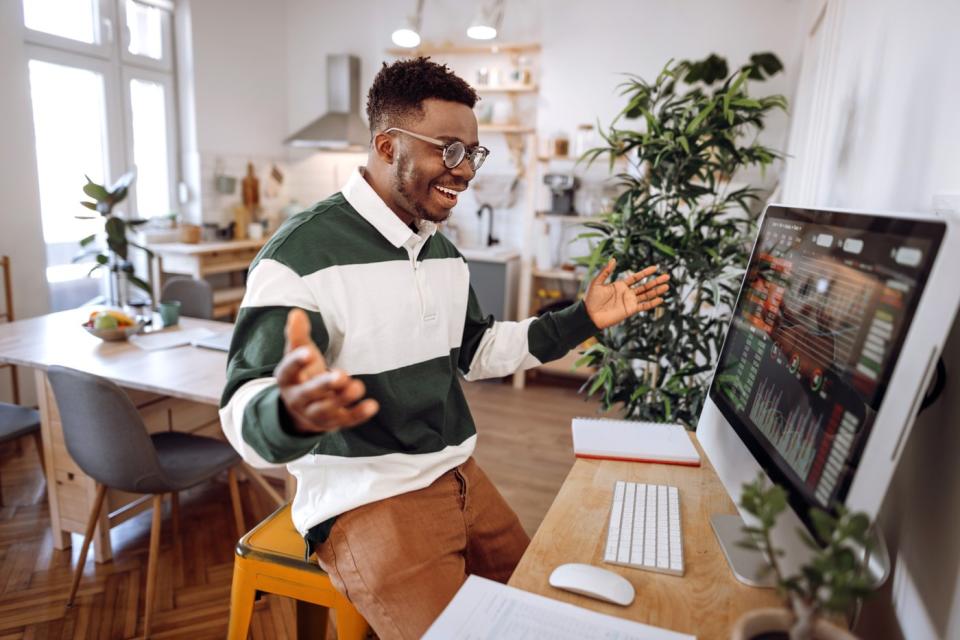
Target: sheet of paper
[[487, 610], [168, 339]]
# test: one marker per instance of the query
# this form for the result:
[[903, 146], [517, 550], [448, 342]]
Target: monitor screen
[[826, 302]]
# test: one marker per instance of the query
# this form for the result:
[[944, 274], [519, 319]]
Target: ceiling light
[[486, 23], [408, 36]]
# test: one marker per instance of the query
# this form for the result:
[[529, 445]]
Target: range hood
[[340, 128]]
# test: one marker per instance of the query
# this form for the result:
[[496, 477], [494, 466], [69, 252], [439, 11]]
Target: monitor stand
[[749, 566]]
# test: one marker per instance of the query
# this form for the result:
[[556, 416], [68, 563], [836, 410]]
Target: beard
[[405, 181]]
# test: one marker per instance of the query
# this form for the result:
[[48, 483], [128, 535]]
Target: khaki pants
[[401, 560]]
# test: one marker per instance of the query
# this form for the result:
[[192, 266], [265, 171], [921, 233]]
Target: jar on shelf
[[585, 140], [560, 146]]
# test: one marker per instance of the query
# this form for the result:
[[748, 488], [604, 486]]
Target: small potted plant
[[115, 258], [832, 580]]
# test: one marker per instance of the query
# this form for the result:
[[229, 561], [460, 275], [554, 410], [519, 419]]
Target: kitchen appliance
[[562, 188], [341, 128]]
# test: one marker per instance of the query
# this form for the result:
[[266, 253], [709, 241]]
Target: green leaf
[[95, 191], [138, 282], [89, 205], [84, 242], [700, 117]]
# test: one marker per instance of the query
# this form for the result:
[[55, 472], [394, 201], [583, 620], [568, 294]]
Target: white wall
[[585, 46], [878, 129], [21, 234], [237, 55]]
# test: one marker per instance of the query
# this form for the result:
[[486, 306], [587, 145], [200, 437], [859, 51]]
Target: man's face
[[418, 165]]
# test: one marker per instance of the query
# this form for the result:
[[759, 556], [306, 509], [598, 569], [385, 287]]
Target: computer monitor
[[839, 323]]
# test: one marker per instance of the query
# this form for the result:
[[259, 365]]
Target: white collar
[[374, 210]]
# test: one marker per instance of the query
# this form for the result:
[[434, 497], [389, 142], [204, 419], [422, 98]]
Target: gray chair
[[18, 422], [108, 440], [195, 296], [15, 421]]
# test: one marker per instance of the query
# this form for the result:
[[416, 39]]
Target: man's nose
[[464, 170]]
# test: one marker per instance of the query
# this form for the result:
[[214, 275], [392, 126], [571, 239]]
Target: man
[[357, 318]]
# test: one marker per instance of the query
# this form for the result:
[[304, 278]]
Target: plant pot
[[775, 623]]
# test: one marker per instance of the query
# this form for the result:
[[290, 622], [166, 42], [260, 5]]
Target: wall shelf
[[565, 219], [426, 49], [506, 88], [555, 274], [505, 128]]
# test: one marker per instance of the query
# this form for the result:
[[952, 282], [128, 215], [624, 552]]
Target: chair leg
[[350, 624], [38, 441], [242, 594], [152, 563], [87, 538], [175, 514], [235, 499]]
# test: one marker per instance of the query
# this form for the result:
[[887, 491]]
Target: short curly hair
[[400, 88]]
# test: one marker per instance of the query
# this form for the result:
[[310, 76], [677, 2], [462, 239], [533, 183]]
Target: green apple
[[105, 321]]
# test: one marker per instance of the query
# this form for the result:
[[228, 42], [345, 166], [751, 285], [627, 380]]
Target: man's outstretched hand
[[610, 304], [316, 398]]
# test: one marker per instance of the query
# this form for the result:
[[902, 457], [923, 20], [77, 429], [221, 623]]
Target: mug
[[169, 312]]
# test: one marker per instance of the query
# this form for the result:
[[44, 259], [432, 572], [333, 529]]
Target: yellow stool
[[270, 559]]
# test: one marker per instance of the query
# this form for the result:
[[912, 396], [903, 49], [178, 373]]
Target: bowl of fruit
[[111, 325]]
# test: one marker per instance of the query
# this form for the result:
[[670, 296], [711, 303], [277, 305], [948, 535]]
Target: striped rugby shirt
[[393, 308]]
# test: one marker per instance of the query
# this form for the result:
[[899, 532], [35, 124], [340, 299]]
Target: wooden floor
[[524, 446]]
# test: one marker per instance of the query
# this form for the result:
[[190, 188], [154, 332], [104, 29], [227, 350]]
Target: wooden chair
[[15, 421], [270, 559]]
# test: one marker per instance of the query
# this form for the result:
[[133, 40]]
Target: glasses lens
[[453, 154], [477, 157]]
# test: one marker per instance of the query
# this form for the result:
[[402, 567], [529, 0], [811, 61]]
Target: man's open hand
[[610, 304], [316, 398]]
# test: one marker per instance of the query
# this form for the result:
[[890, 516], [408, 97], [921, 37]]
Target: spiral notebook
[[633, 441]]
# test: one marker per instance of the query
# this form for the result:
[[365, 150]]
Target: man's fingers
[[649, 294], [643, 273], [297, 330], [650, 304], [605, 272], [327, 416], [292, 364]]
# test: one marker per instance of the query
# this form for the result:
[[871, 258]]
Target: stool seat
[[270, 558]]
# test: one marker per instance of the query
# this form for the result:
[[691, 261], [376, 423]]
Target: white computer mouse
[[592, 581]]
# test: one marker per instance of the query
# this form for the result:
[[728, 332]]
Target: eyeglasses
[[453, 152]]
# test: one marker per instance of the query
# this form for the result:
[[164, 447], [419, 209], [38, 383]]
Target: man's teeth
[[449, 192]]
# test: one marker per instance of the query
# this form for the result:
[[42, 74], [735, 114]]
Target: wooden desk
[[173, 389], [706, 601], [204, 259]]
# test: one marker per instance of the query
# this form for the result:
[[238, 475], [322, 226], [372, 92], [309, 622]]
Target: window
[[102, 87]]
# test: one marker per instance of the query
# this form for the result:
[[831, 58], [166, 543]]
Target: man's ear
[[383, 144]]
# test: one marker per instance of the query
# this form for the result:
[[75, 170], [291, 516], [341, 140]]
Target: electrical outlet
[[947, 203]]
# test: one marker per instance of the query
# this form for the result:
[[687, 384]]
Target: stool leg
[[87, 538], [311, 621], [241, 602], [152, 564], [350, 624], [235, 499]]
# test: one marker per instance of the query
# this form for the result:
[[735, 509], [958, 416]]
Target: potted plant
[[693, 128], [115, 258], [833, 580]]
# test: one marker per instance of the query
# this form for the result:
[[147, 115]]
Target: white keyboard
[[644, 530]]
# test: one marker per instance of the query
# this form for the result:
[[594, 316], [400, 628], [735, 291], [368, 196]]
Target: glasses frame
[[467, 153]]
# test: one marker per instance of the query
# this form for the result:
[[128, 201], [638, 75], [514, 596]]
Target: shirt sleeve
[[493, 349], [252, 414]]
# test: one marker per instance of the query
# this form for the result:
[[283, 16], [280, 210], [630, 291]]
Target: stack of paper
[[487, 610], [634, 441]]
